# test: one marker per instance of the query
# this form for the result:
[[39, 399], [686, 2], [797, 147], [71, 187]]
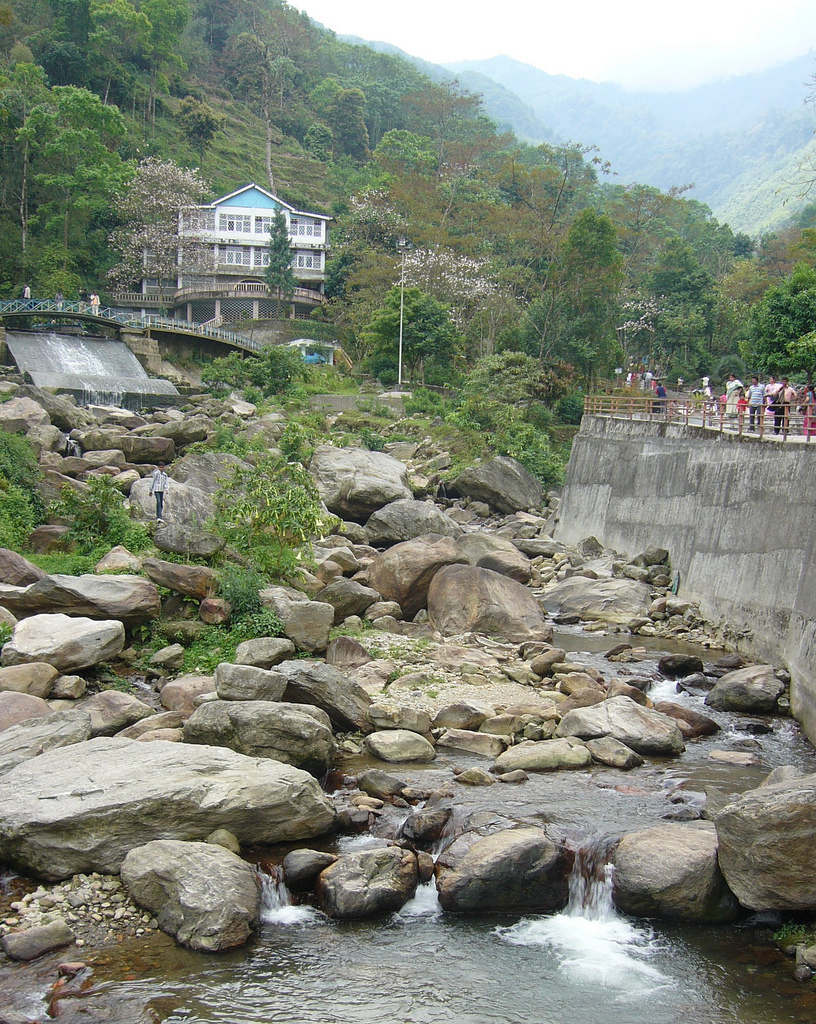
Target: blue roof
[[253, 197]]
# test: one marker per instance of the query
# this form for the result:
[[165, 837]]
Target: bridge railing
[[798, 418], [45, 307]]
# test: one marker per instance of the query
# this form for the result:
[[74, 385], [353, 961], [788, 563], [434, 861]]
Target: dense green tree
[[785, 314], [200, 124], [279, 274], [347, 120], [431, 342]]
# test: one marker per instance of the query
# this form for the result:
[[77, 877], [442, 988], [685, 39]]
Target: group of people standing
[[85, 300], [776, 399]]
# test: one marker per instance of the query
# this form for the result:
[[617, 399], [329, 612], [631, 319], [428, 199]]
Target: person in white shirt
[[158, 486]]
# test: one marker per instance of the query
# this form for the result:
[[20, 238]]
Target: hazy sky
[[640, 43]]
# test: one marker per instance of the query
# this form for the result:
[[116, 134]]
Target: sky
[[637, 43]]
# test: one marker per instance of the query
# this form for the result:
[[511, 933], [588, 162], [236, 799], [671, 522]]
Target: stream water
[[586, 965]]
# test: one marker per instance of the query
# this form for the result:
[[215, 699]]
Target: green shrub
[[99, 517], [372, 439], [240, 586], [570, 408], [19, 515], [296, 442], [533, 449], [272, 372], [428, 403], [219, 643]]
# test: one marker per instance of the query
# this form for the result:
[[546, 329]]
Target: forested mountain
[[511, 247], [739, 141]]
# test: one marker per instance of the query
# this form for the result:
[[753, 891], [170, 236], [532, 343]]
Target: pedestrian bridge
[[150, 325]]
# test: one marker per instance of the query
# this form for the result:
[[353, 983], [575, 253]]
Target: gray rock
[[347, 597], [344, 652], [503, 483], [130, 599], [676, 666], [513, 871], [380, 784], [18, 571], [671, 871], [306, 623], [19, 415], [178, 535], [291, 733], [369, 883], [466, 741], [766, 846], [194, 580], [264, 652], [36, 678], [68, 643], [394, 716], [312, 682], [111, 711], [223, 837], [19, 707], [205, 471], [753, 690], [162, 720], [203, 895], [643, 730], [543, 756], [182, 694], [248, 682], [301, 867], [608, 750], [62, 411], [460, 716], [462, 598], [404, 572], [399, 745], [168, 659], [36, 941], [354, 482], [617, 600], [83, 808], [35, 736], [406, 519]]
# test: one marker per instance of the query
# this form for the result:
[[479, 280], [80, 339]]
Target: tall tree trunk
[[24, 200]]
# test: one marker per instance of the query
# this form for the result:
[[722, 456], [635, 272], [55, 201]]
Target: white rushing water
[[593, 943], [276, 902], [425, 902]]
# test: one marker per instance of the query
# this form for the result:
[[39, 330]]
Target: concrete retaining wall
[[736, 514]]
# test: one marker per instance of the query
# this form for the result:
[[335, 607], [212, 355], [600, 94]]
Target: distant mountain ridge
[[739, 140]]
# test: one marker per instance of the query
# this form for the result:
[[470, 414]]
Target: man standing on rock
[[158, 486]]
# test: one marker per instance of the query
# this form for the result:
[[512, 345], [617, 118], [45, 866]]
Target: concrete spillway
[[95, 370]]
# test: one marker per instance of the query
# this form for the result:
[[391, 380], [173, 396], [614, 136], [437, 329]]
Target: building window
[[262, 225], [308, 261], [260, 257], [235, 255], [235, 222], [305, 227]]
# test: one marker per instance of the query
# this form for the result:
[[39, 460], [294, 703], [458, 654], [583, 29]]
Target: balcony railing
[[795, 420]]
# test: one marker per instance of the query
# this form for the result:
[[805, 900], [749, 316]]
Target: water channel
[[586, 965]]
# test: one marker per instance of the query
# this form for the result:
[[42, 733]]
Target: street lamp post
[[402, 243]]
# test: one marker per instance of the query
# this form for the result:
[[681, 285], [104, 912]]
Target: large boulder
[[753, 690], [399, 745], [306, 623], [672, 871], [313, 682], [501, 482], [406, 519], [184, 535], [194, 580], [20, 707], [36, 678], [354, 482], [543, 756], [464, 598], [205, 471], [248, 682], [295, 734], [618, 600], [347, 597], [130, 599], [202, 895], [368, 883], [35, 736], [140, 448], [63, 641], [263, 652], [513, 871], [83, 808], [184, 432], [643, 730], [111, 711], [18, 571], [404, 572], [62, 411], [19, 415], [766, 846]]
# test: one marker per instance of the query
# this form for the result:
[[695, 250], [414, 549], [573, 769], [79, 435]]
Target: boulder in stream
[[368, 883], [643, 730]]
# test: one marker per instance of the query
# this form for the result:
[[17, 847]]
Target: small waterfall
[[276, 900], [594, 944]]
